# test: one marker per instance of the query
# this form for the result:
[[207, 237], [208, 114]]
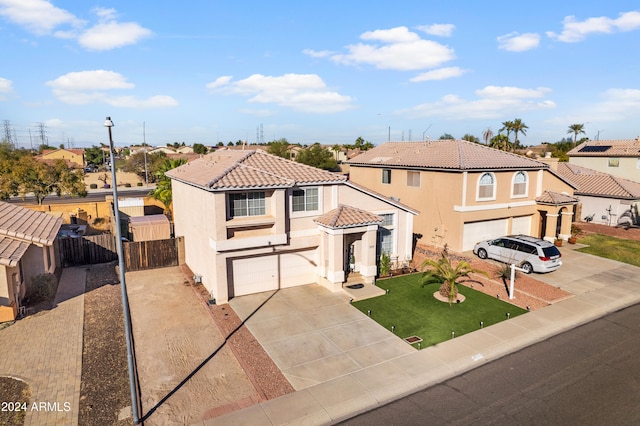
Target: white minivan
[[529, 253]]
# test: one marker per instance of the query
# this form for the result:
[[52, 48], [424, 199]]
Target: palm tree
[[443, 272], [507, 126], [500, 142], [487, 135], [518, 126], [576, 129], [163, 192]]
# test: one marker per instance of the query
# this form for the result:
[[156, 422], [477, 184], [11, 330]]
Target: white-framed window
[[413, 179], [247, 204], [386, 234], [520, 185], [304, 199], [487, 187], [386, 175], [614, 162]]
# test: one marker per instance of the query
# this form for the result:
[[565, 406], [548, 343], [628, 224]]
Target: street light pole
[[123, 286]]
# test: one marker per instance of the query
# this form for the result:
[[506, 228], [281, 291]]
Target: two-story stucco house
[[617, 157], [467, 192], [73, 157], [26, 250], [255, 222]]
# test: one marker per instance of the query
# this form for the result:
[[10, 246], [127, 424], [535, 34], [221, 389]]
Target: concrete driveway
[[314, 335]]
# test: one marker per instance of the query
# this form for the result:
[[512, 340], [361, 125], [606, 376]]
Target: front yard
[[618, 249], [413, 311]]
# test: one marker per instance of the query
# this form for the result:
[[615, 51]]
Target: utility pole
[[144, 143]]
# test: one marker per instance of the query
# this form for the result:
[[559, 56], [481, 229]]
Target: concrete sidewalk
[[600, 287], [45, 351]]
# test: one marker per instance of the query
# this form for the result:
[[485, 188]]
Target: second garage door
[[474, 232]]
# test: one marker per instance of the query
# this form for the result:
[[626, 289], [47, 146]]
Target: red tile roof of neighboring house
[[593, 182], [231, 169], [27, 225], [77, 151], [346, 217], [556, 198], [607, 148], [11, 251], [443, 155]]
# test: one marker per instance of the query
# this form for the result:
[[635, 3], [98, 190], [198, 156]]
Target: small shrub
[[93, 186], [576, 230], [139, 184], [385, 264], [42, 288], [127, 185]]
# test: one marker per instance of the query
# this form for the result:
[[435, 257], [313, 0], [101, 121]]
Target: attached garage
[[474, 232], [267, 273], [521, 225]]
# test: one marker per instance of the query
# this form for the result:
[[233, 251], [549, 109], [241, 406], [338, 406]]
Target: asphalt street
[[586, 376]]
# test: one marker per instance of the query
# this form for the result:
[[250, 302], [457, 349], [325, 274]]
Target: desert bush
[[139, 184], [42, 288], [93, 186], [127, 185]]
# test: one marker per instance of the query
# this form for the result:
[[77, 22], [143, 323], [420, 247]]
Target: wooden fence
[[137, 255]]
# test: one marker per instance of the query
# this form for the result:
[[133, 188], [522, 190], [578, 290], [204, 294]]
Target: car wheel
[[527, 267], [482, 254]]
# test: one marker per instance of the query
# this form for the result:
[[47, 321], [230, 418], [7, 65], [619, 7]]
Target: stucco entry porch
[[314, 335]]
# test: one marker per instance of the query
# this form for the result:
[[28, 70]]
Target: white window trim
[[230, 214], [306, 213], [526, 183], [393, 227], [495, 187]]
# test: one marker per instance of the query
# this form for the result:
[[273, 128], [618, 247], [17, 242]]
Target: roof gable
[[347, 217], [593, 182], [607, 148], [444, 155], [225, 170]]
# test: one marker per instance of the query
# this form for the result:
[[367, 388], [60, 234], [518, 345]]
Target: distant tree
[[220, 143], [42, 179], [487, 135], [43, 147], [507, 126], [446, 136], [135, 164], [279, 148], [576, 129], [336, 148], [94, 155], [230, 143], [469, 137], [501, 142], [317, 156], [518, 126], [199, 148]]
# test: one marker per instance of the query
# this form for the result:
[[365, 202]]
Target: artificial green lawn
[[625, 251], [414, 311]]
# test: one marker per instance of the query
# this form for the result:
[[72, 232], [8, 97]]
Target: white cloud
[[395, 49], [574, 31], [493, 103], [38, 16], [43, 18], [439, 74], [301, 92], [515, 42], [110, 34], [85, 87], [6, 86], [442, 30], [618, 104], [317, 54]]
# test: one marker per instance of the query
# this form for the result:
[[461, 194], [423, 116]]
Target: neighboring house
[[26, 250], [617, 157], [467, 192], [254, 222], [73, 157], [604, 198], [185, 150], [164, 149]]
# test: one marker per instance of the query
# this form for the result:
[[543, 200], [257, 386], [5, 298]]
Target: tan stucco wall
[[628, 168], [64, 155]]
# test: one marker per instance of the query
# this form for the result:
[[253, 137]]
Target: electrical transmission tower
[[8, 134]]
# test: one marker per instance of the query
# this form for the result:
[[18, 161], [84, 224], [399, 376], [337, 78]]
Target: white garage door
[[298, 268], [254, 275], [521, 225], [258, 274], [485, 230]]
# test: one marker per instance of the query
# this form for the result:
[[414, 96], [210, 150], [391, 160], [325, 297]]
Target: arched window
[[519, 188], [486, 187]]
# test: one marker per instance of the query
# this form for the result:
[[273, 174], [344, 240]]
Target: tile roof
[[607, 148], [11, 251], [444, 155], [556, 198], [228, 169], [347, 217], [593, 182], [27, 225]]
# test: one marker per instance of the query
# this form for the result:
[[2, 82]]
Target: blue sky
[[329, 72]]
